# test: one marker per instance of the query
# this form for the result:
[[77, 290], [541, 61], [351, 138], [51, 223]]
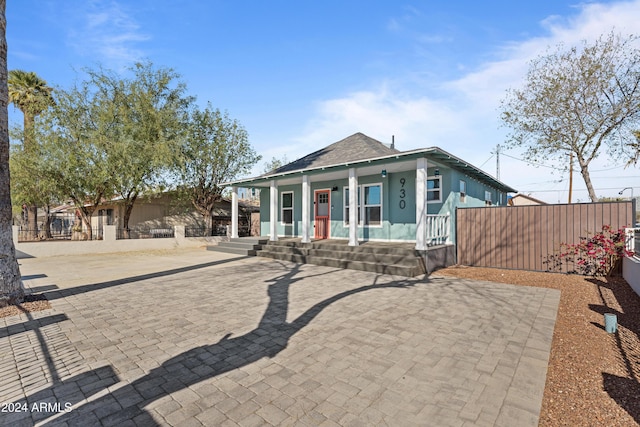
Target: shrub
[[597, 255]]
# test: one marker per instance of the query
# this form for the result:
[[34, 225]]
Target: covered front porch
[[382, 200]]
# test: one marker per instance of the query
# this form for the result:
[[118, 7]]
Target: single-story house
[[524, 200], [360, 189], [162, 210]]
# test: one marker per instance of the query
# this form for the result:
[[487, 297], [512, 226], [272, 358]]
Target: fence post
[[109, 233], [178, 233]]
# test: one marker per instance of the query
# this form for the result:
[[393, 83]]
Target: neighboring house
[[360, 189], [162, 211], [524, 200]]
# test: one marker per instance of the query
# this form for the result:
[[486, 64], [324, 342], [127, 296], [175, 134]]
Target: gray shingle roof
[[355, 147]]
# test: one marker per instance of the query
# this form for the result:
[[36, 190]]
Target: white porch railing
[[438, 229], [632, 240]]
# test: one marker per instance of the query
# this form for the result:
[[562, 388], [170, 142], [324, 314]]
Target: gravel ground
[[593, 377], [30, 303]]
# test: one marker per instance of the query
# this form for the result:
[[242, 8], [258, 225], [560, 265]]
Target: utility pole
[[498, 162], [570, 175]]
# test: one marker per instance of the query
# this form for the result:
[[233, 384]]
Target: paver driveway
[[199, 338]]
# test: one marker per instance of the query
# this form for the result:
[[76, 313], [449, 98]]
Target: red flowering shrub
[[597, 255]]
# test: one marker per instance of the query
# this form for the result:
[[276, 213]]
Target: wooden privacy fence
[[522, 237]]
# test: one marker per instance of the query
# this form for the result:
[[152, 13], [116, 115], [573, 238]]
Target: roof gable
[[361, 152], [353, 148]]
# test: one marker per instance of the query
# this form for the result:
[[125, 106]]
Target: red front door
[[321, 214]]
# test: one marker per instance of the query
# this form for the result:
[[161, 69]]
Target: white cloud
[[464, 117], [380, 113], [107, 32]]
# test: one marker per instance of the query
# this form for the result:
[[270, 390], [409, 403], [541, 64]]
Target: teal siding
[[398, 204], [401, 203], [283, 230]]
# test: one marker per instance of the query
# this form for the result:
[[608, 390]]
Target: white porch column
[[273, 211], [234, 212], [353, 207], [306, 209], [421, 204]]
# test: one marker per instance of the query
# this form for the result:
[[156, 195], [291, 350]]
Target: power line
[[529, 162], [485, 162], [554, 167], [617, 177], [498, 162], [554, 191]]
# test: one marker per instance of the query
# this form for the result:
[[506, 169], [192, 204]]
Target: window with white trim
[[286, 207], [463, 190], [372, 204], [370, 211], [487, 198], [346, 205], [434, 189]]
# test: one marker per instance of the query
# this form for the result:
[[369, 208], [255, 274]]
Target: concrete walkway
[[192, 337]]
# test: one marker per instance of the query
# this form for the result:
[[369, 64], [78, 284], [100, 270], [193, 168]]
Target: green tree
[[31, 95], [74, 135], [11, 288], [216, 150], [578, 100], [145, 116], [29, 183], [274, 164]]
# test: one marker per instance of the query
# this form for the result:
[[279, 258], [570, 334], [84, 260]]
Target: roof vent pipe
[[393, 142]]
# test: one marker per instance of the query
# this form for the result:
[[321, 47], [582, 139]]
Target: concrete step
[[252, 240], [238, 251], [383, 259], [363, 248], [242, 246], [374, 267], [408, 259]]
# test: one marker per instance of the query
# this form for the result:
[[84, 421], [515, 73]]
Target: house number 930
[[403, 203]]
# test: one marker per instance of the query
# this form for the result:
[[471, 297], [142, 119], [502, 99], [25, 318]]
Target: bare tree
[[579, 100]]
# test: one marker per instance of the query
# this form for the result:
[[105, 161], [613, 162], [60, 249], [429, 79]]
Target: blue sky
[[302, 75]]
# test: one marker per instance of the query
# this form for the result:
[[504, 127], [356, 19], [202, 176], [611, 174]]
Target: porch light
[[384, 173], [437, 172]]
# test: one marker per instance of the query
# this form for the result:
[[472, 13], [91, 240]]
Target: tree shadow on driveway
[[270, 337], [63, 293]]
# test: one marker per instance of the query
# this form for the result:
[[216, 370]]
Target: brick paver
[[202, 338]]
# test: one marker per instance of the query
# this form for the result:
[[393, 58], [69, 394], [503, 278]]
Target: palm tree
[[31, 95], [11, 289]]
